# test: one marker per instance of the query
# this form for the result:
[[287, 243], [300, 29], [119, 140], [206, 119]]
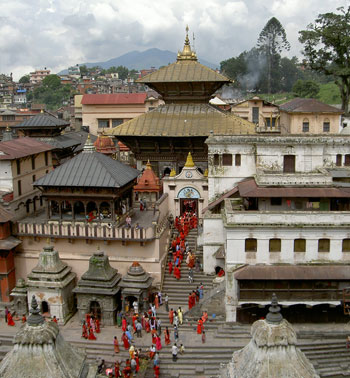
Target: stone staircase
[[178, 290]]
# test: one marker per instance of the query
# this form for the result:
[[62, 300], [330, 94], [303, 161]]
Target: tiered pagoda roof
[[148, 182], [136, 279], [104, 144]]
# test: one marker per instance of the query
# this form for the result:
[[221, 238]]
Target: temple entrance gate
[[95, 309]]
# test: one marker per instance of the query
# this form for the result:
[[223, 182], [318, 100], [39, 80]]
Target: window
[[326, 126], [255, 118], [323, 245], [238, 160], [117, 122], [33, 162], [251, 245], [103, 123], [346, 245], [216, 159], [227, 159], [275, 245], [305, 125], [18, 163], [34, 178], [347, 160], [289, 163], [299, 245], [268, 122], [19, 187], [8, 118], [338, 160], [46, 158], [276, 201]]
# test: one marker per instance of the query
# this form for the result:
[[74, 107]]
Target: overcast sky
[[57, 33]]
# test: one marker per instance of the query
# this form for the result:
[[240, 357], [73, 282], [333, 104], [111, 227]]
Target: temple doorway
[[95, 309], [129, 300], [189, 205], [45, 307]]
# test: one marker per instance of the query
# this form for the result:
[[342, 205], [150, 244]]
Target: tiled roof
[[90, 169], [114, 99], [42, 120], [308, 105], [5, 215], [21, 147], [180, 120], [184, 71], [59, 141]]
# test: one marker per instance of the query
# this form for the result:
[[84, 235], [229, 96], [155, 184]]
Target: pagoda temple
[[148, 187], [166, 135]]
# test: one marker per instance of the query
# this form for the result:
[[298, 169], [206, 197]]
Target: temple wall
[[77, 254]]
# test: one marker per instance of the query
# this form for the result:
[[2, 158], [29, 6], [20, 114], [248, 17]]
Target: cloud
[[59, 33]]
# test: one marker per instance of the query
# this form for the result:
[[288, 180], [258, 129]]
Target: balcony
[[291, 218], [146, 226], [268, 178]]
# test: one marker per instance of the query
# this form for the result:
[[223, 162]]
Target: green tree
[[83, 70], [305, 88], [234, 68], [290, 73], [327, 49], [122, 72], [272, 41], [51, 81], [24, 79]]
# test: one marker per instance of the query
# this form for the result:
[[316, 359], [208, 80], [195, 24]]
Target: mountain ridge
[[138, 60]]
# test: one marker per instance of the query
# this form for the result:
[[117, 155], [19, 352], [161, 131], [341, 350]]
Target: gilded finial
[[186, 53], [189, 161], [172, 173], [148, 165], [89, 146], [42, 111], [48, 241], [8, 127], [206, 173], [187, 41]]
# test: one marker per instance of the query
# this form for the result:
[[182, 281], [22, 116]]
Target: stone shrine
[[19, 294], [40, 351], [98, 290], [136, 285], [52, 283], [272, 351]]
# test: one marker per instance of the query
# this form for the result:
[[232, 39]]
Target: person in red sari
[[91, 334], [125, 340], [221, 273], [171, 316], [170, 265], [154, 336], [97, 325], [199, 326], [127, 370], [10, 321], [167, 336], [116, 345], [133, 322], [117, 369], [24, 318], [137, 359], [190, 304], [156, 371], [84, 331], [124, 324], [147, 325], [156, 301], [193, 296], [177, 272]]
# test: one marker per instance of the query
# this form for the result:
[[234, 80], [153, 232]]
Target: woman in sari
[[167, 336], [116, 345]]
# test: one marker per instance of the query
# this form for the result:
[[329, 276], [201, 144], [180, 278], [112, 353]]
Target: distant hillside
[[142, 59]]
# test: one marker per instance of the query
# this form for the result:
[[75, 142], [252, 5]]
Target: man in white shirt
[[174, 352]]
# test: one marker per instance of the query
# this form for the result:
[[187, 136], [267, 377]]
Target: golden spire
[[42, 111], [148, 165], [172, 173], [8, 127], [206, 173], [189, 161], [186, 53]]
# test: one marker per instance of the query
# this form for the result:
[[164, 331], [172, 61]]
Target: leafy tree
[[235, 68], [327, 49], [290, 73], [52, 82], [83, 70], [272, 41], [306, 88], [122, 72], [24, 79]]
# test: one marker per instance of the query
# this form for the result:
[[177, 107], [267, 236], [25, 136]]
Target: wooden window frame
[[227, 160], [277, 247], [238, 160], [301, 248], [326, 247], [251, 248]]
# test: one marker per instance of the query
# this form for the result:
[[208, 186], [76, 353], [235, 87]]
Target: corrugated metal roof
[[293, 272], [114, 99], [220, 199], [59, 141], [308, 105], [249, 188], [90, 169], [42, 120], [21, 147], [184, 120], [184, 71]]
